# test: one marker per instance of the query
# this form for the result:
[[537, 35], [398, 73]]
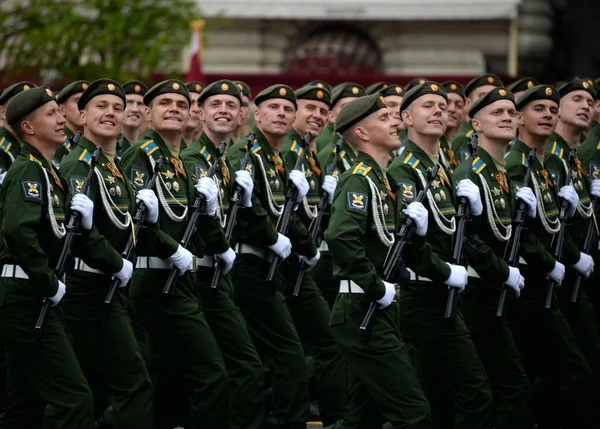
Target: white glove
[[569, 194], [2, 176], [125, 274], [311, 262], [299, 180], [515, 280], [466, 188], [149, 199], [390, 293], [595, 191], [244, 179], [282, 247], [458, 277], [558, 273], [59, 294], [182, 259], [585, 265], [227, 257], [419, 214], [85, 207], [329, 184], [207, 187], [526, 195]]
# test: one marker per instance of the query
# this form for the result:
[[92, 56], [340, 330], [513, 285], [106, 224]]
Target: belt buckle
[[194, 264]]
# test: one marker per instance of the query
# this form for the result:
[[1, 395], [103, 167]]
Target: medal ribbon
[[313, 166], [177, 164], [388, 190], [452, 158], [547, 180], [278, 166], [114, 171], [501, 181], [442, 177], [580, 169], [225, 174], [56, 179]]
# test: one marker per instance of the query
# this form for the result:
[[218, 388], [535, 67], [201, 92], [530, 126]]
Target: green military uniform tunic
[[544, 339], [63, 150], [99, 335], [189, 368], [9, 149], [244, 366], [310, 312], [382, 384], [447, 354], [325, 137], [269, 321], [447, 156], [33, 201], [486, 249], [123, 144], [460, 140]]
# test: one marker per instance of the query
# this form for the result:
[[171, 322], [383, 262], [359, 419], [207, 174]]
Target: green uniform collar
[[30, 151], [423, 157], [8, 137], [264, 143], [69, 133], [154, 136], [205, 141], [362, 158]]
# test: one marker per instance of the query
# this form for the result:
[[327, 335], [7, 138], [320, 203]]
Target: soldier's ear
[[27, 128], [83, 116], [476, 125], [406, 117], [520, 119]]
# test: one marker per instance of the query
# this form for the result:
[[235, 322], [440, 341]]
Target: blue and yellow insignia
[[524, 160], [478, 165], [200, 172], [594, 170], [138, 178], [32, 190], [598, 146], [342, 154], [296, 148], [557, 150], [5, 145], [411, 160], [34, 159], [86, 157], [357, 202], [470, 133], [149, 147], [77, 184], [407, 190], [256, 147], [205, 154], [361, 169]]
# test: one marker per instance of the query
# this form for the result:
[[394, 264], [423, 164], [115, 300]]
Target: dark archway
[[333, 49]]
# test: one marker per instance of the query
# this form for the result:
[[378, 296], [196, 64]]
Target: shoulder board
[[557, 150], [256, 147], [469, 133], [149, 147], [478, 165], [411, 160], [524, 160], [5, 145], [86, 157], [598, 147], [342, 153], [67, 143], [205, 154], [34, 159], [361, 169], [296, 148]]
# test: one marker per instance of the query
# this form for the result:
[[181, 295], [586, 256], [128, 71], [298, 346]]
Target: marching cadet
[[495, 121], [189, 369], [244, 127], [479, 86], [265, 311], [340, 95], [518, 87], [193, 128], [67, 100], [98, 334], [446, 353], [220, 104], [392, 94], [135, 116], [383, 384], [456, 113], [545, 341], [9, 143], [34, 202], [310, 311]]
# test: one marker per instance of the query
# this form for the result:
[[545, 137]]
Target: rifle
[[590, 232], [139, 220], [234, 206], [463, 214], [286, 216], [65, 252], [197, 208], [560, 235], [513, 256], [315, 226], [394, 256]]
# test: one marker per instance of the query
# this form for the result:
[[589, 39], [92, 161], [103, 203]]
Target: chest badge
[[176, 186]]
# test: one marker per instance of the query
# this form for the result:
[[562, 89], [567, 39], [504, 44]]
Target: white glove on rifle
[[299, 180], [228, 257], [595, 189], [244, 179], [419, 214], [126, 272], [585, 265], [311, 262], [558, 273], [85, 207], [182, 259], [458, 277], [206, 186], [390, 293], [569, 194], [515, 280], [54, 300], [466, 188], [526, 195], [2, 176], [149, 199], [282, 247], [329, 184]]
